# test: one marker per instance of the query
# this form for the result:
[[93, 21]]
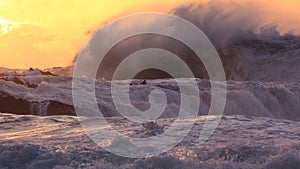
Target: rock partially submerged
[[52, 95]]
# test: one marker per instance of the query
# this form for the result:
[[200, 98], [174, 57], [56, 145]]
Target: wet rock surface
[[52, 95]]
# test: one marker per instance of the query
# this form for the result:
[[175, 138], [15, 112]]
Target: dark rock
[[144, 82], [48, 73], [58, 108], [150, 125], [10, 104], [18, 81]]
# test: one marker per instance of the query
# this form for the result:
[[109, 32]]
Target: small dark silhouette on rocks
[[144, 82]]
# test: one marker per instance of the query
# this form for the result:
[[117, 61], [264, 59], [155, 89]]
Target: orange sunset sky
[[43, 33]]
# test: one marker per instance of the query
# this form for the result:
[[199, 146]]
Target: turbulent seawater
[[34, 93], [259, 129], [239, 142]]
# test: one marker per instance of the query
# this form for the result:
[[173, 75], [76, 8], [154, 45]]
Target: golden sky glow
[[42, 34], [48, 33]]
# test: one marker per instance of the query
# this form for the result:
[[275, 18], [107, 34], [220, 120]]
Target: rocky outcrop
[[10, 104], [58, 108], [52, 95]]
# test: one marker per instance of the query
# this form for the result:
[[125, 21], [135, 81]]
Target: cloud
[[7, 26]]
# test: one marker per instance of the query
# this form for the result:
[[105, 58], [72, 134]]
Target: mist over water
[[253, 38], [226, 22], [256, 40]]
